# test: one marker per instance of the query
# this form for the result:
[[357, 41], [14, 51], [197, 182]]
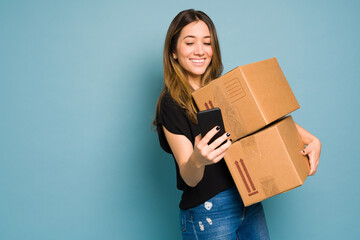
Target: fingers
[[210, 154], [197, 139], [217, 154], [312, 169], [219, 141], [305, 151], [313, 158], [218, 158], [205, 140], [314, 162]]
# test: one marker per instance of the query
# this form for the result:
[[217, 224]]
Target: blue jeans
[[224, 217]]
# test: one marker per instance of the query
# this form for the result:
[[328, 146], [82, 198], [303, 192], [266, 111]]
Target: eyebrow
[[191, 36]]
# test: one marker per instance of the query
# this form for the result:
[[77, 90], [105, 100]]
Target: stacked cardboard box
[[265, 159]]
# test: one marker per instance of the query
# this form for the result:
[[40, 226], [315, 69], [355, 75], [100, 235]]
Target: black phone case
[[208, 119]]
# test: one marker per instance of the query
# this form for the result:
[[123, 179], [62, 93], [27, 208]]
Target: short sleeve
[[174, 119]]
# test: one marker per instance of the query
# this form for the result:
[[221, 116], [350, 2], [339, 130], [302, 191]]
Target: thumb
[[197, 139]]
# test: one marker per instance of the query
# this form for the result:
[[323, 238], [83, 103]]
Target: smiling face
[[194, 51]]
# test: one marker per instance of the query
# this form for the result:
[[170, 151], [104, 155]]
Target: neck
[[194, 82]]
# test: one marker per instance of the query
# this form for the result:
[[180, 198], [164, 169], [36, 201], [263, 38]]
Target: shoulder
[[169, 106], [167, 100], [172, 116], [175, 120]]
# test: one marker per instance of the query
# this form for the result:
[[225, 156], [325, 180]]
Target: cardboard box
[[250, 97], [268, 162]]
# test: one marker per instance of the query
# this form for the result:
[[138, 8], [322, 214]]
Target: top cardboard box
[[250, 97]]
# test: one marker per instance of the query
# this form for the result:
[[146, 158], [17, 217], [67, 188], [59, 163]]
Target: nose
[[199, 50]]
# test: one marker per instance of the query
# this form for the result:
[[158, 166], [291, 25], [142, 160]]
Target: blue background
[[79, 81]]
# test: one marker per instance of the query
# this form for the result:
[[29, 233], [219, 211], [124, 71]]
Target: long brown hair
[[176, 83]]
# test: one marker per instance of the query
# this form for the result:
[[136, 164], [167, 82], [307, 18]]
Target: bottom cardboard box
[[268, 162]]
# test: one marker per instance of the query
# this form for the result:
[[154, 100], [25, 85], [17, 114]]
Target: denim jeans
[[224, 217]]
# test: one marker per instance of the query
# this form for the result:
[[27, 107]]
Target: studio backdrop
[[79, 81]]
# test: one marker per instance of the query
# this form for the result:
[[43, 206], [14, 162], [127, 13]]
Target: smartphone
[[208, 119]]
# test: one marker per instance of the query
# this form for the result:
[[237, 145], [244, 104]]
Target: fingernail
[[218, 128], [228, 134]]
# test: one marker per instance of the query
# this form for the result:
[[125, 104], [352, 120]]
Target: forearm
[[192, 172], [193, 159]]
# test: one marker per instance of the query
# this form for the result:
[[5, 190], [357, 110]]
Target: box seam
[[252, 93], [287, 153]]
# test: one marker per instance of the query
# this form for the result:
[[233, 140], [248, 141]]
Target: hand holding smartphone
[[208, 119]]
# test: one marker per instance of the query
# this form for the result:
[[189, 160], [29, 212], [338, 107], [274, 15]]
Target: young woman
[[210, 207]]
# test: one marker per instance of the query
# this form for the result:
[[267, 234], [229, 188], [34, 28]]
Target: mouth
[[197, 61]]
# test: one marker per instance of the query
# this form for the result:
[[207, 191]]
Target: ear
[[174, 56]]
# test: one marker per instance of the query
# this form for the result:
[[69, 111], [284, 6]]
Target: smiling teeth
[[198, 61]]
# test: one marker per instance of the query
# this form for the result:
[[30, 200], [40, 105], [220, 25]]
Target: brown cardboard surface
[[268, 162], [250, 97]]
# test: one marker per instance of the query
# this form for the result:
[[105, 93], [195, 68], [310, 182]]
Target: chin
[[198, 72]]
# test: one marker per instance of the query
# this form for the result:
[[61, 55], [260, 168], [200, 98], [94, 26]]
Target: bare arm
[[313, 148], [192, 160]]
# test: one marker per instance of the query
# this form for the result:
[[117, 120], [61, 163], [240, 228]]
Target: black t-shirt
[[216, 176]]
